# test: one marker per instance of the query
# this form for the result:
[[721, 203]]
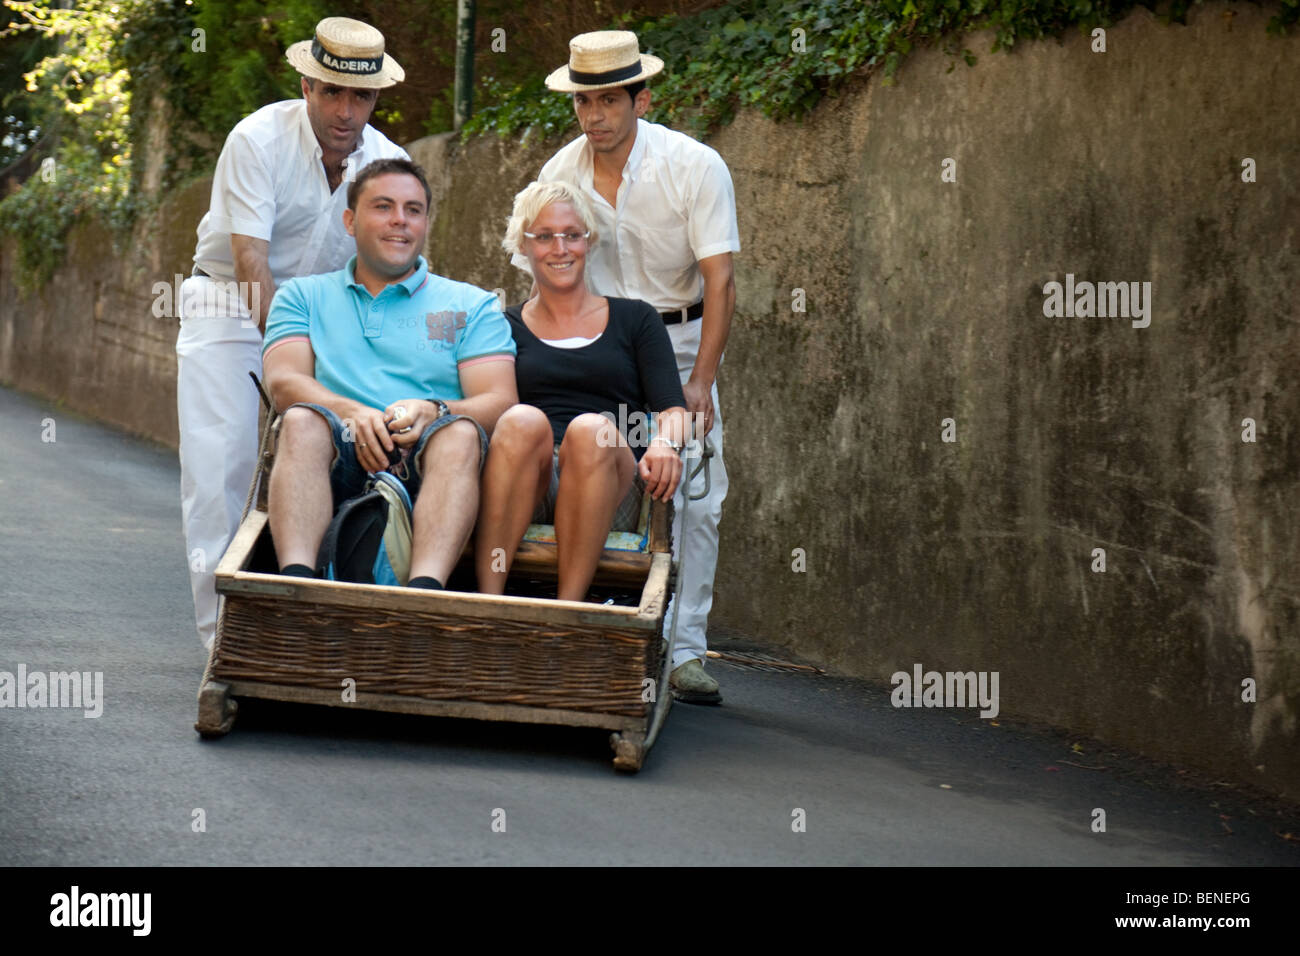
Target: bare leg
[[299, 502], [595, 473], [447, 504], [516, 477]]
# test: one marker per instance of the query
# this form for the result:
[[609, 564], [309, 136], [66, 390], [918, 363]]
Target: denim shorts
[[348, 478]]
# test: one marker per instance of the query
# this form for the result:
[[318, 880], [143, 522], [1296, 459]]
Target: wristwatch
[[443, 410], [675, 446]]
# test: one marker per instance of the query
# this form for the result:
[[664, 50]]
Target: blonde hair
[[535, 197]]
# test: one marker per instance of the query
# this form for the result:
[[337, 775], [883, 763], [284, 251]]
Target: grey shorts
[[626, 516]]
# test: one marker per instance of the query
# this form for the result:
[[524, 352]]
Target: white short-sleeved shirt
[[270, 184], [675, 206]]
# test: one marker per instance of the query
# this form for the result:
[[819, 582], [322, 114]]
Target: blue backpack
[[369, 539]]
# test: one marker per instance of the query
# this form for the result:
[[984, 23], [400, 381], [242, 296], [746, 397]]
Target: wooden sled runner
[[447, 653]]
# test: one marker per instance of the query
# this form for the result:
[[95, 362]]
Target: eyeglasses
[[548, 238]]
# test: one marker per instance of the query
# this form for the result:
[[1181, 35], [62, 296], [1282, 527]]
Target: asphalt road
[[93, 578]]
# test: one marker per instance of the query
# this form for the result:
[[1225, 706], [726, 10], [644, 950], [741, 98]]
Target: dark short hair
[[381, 167], [632, 89]]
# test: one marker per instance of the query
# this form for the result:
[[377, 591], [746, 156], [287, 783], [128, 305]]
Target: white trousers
[[698, 548], [216, 405]]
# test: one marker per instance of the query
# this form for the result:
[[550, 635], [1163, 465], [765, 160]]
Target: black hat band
[[609, 76]]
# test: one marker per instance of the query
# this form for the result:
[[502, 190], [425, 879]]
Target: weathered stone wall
[[90, 338], [924, 302]]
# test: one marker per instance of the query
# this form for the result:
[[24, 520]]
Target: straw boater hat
[[346, 52], [603, 59]]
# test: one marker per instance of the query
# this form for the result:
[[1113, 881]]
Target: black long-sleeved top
[[630, 365]]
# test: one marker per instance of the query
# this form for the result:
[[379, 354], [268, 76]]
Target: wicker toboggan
[[445, 653]]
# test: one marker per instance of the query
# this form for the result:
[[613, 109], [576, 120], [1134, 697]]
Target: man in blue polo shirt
[[382, 356]]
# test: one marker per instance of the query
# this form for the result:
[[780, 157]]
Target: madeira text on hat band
[[364, 67]]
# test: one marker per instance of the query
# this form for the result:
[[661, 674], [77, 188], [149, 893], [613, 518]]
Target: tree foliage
[[82, 86]]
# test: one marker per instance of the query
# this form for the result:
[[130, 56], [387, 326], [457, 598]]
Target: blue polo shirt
[[410, 341]]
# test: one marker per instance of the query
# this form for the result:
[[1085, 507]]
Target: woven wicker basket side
[[436, 656]]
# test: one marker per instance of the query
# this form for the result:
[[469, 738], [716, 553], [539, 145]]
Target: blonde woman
[[591, 370]]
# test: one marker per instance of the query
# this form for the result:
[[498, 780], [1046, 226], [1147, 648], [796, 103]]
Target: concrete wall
[[924, 301]]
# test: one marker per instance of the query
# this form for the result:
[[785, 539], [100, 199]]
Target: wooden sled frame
[[448, 653]]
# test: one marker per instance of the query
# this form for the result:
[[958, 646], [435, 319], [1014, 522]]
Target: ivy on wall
[[783, 56]]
